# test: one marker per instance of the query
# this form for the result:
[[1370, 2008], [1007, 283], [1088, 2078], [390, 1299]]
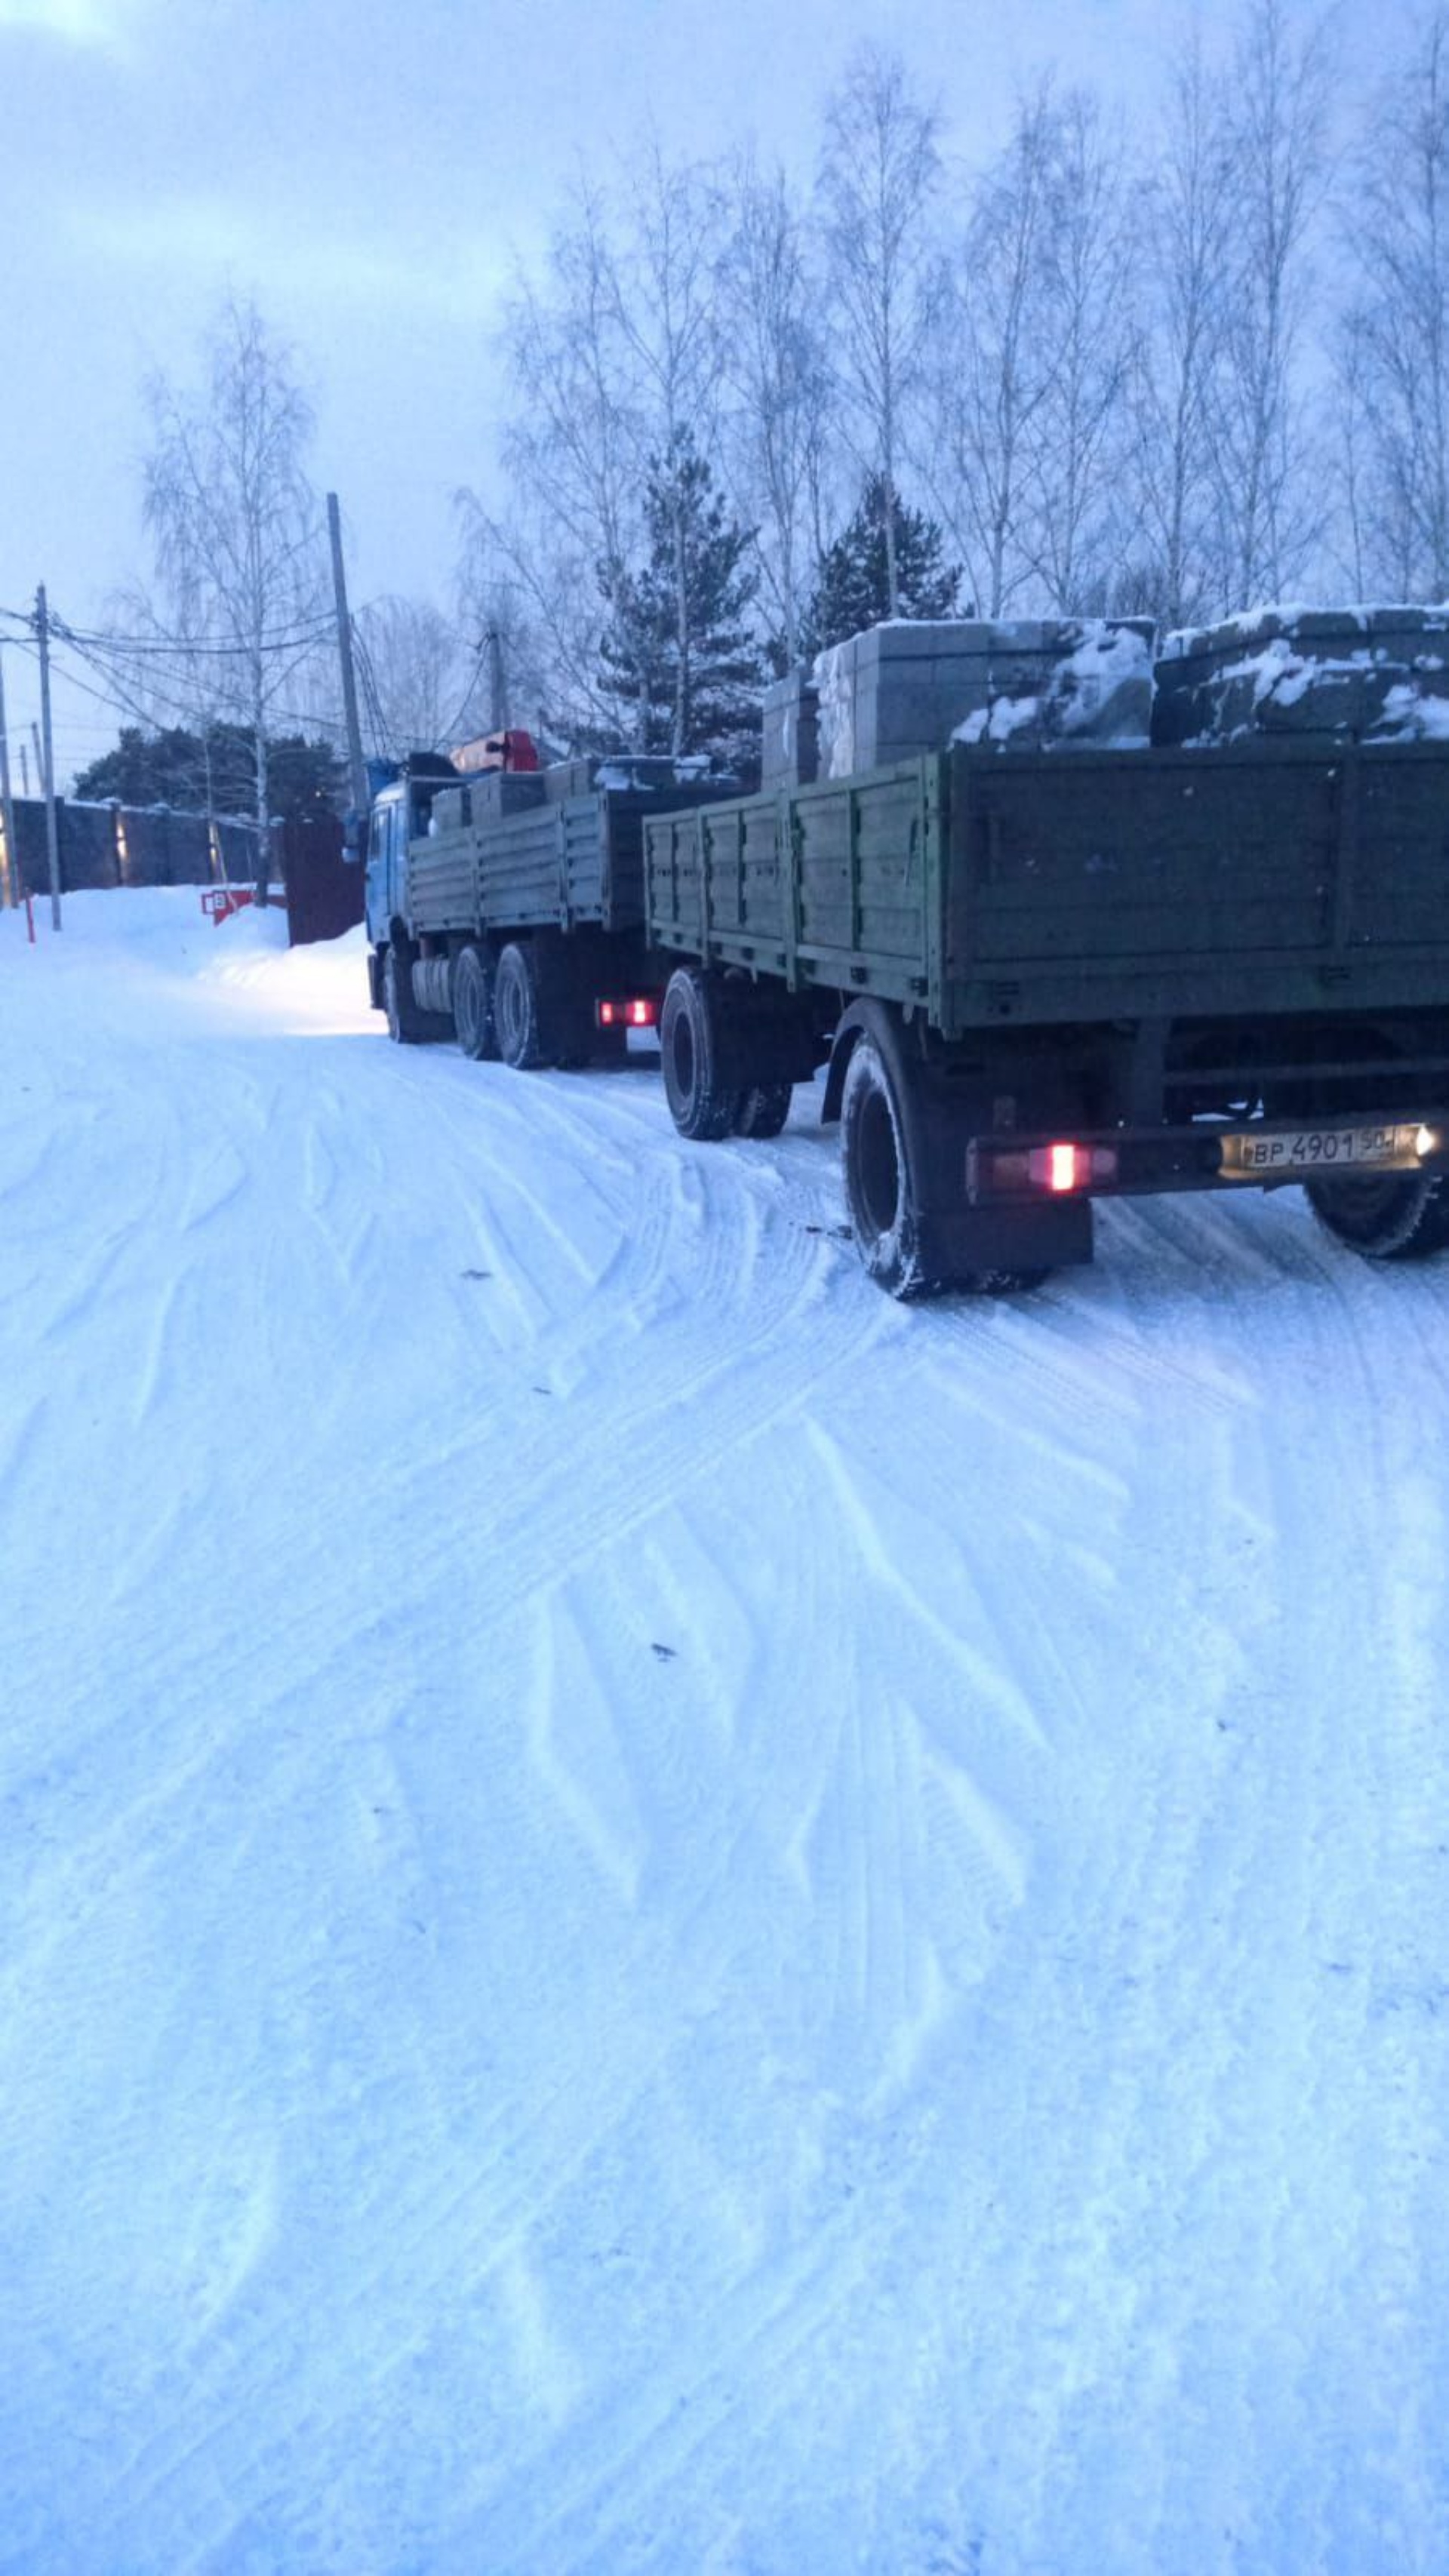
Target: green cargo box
[[990, 888], [555, 866]]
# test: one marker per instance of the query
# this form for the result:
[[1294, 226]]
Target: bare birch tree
[[665, 280], [1077, 438], [1276, 125], [423, 679], [1394, 340], [879, 171], [571, 458], [613, 362], [1175, 573], [777, 426], [994, 363], [237, 533]]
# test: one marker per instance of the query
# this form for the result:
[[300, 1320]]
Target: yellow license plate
[[1268, 1154]]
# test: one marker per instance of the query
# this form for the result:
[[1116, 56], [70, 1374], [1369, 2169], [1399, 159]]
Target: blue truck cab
[[401, 800]]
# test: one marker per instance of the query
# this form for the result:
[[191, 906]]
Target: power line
[[473, 678], [119, 701], [185, 707], [381, 737], [147, 647], [162, 645]]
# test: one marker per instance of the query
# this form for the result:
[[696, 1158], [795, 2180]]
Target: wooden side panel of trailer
[[440, 887], [1262, 879], [859, 860], [1046, 887], [579, 861], [520, 870], [713, 880], [837, 884]]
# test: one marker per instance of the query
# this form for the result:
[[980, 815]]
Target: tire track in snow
[[985, 1678], [1188, 1895], [521, 1538], [764, 2332], [1187, 2036]]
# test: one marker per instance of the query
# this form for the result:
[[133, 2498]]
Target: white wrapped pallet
[[904, 688]]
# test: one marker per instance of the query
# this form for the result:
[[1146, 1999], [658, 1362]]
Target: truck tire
[[703, 1099], [1395, 1218], [397, 999], [407, 1022], [894, 1149], [472, 988], [881, 1185], [763, 1109], [518, 1018]]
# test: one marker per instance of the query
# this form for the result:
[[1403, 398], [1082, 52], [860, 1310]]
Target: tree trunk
[[264, 822], [680, 741]]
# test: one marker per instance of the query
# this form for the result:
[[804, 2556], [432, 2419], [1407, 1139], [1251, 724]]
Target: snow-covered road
[[657, 1915]]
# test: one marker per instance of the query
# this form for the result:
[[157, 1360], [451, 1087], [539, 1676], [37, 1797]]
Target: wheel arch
[[862, 1017]]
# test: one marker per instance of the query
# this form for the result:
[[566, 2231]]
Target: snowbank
[[159, 936]]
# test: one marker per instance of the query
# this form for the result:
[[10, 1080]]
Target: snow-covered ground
[[658, 1915]]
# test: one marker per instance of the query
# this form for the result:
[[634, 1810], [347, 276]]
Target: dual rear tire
[[762, 1110], [528, 1005], [702, 1065], [881, 1177], [903, 1155], [407, 1023], [518, 1010], [473, 1003], [1396, 1217], [539, 1017]]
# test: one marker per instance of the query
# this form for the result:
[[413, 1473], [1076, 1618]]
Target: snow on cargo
[[908, 687], [1099, 691], [1365, 673]]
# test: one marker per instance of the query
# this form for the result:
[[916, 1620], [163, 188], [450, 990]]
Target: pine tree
[[678, 656], [213, 772], [853, 588]]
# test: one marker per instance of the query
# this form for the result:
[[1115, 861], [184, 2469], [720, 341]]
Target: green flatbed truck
[[1045, 977], [1036, 978]]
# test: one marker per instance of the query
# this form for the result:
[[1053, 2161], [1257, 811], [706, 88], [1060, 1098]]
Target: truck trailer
[[1036, 978]]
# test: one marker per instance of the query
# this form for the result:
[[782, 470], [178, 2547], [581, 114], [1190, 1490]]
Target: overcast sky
[[371, 175]]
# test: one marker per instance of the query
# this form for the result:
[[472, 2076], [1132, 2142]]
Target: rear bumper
[[1008, 1170]]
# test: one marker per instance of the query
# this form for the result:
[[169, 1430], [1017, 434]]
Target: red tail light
[[640, 1011], [1016, 1171], [1063, 1167]]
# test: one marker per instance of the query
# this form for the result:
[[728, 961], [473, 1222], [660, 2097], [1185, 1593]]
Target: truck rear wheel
[[397, 999], [902, 1156], [407, 1022], [391, 998], [881, 1187], [702, 1099], [472, 988], [763, 1109], [517, 1009], [1393, 1218]]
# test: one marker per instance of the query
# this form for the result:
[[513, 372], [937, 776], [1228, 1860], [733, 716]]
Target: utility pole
[[7, 809], [52, 823], [355, 761], [497, 686]]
